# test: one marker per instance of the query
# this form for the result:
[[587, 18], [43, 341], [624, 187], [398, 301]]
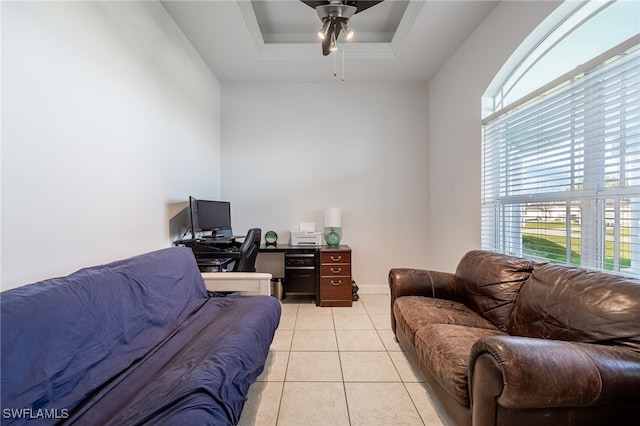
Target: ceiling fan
[[335, 15]]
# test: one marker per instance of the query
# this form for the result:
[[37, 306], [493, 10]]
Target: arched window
[[561, 142]]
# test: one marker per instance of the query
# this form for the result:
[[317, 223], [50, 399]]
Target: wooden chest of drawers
[[335, 276]]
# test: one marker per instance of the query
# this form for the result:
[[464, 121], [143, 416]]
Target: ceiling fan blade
[[363, 5], [326, 44], [337, 28], [314, 3]]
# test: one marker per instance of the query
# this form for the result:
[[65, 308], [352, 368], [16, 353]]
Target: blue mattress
[[199, 376]]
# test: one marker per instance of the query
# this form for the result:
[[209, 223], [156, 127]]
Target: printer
[[306, 236]]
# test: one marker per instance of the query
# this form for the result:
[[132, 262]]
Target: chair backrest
[[249, 252]]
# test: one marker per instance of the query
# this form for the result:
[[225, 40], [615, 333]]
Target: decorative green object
[[333, 239], [271, 238]]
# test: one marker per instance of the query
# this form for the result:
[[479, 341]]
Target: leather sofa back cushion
[[565, 303], [492, 281]]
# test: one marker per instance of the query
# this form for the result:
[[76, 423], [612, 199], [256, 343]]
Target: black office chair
[[248, 252]]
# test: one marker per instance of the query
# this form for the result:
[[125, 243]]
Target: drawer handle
[[336, 270], [336, 283], [336, 259]]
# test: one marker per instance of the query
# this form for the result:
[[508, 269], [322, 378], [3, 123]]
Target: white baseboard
[[373, 288]]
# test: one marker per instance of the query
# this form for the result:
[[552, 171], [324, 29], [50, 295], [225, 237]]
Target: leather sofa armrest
[[422, 282], [519, 373]]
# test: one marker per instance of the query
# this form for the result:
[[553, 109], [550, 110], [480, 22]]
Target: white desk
[[247, 283]]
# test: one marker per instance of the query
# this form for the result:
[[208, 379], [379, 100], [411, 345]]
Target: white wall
[[291, 150], [454, 130], [102, 106], [103, 102]]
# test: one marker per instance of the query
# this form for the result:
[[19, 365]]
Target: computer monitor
[[208, 215], [214, 215]]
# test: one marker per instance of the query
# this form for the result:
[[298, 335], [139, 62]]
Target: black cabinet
[[301, 272]]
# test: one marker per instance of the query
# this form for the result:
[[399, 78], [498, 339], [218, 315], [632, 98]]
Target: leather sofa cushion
[[492, 281], [573, 304], [413, 312], [445, 350]]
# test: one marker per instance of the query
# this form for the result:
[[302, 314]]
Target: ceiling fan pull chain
[[335, 65], [342, 63]]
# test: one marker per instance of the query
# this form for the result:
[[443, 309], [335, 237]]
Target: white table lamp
[[333, 221]]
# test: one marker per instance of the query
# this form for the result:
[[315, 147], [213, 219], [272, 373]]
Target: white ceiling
[[276, 41]]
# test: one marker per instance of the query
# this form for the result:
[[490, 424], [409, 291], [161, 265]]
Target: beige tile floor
[[338, 366]]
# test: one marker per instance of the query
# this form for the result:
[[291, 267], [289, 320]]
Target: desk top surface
[[289, 247]]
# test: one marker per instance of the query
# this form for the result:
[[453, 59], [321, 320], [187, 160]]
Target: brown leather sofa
[[507, 341]]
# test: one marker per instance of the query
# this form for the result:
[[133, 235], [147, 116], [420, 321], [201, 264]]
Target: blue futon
[[134, 342]]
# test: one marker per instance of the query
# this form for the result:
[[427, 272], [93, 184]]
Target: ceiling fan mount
[[335, 15], [336, 10]]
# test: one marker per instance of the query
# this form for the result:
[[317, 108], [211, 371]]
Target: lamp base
[[333, 239]]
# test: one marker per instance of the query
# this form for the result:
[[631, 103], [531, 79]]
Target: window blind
[[561, 169]]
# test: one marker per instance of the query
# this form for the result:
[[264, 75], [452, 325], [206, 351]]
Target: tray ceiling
[[276, 40]]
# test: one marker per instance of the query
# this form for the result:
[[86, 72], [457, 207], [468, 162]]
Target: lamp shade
[[333, 217]]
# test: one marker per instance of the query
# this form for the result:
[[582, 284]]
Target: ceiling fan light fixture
[[324, 31], [348, 32], [335, 16], [334, 45]]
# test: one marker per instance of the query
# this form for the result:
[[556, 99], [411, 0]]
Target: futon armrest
[[422, 282], [519, 372], [247, 283]]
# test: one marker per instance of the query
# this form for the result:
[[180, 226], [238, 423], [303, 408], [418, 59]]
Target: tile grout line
[[344, 386], [298, 314]]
